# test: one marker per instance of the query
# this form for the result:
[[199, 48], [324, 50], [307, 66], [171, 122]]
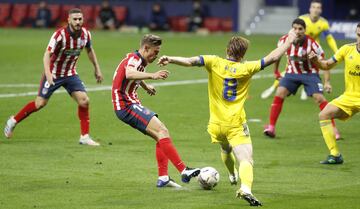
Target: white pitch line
[[106, 88]]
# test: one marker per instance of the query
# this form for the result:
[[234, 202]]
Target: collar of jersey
[[72, 34], [142, 58]]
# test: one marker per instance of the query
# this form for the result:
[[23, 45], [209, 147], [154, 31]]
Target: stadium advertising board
[[343, 30]]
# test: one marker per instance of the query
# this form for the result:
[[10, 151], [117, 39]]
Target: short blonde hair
[[150, 39], [237, 47]]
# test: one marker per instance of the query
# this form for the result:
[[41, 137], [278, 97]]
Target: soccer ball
[[208, 178]]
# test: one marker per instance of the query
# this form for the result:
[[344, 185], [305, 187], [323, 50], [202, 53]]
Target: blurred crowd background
[[165, 15]]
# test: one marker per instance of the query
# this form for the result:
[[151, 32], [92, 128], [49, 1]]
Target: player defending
[[129, 75], [60, 60], [300, 71], [228, 86], [315, 26], [347, 104]]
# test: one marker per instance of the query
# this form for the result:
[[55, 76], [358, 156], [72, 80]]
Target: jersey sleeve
[[88, 43], [340, 54], [208, 61], [55, 39]]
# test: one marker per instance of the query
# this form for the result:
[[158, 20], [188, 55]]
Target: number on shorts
[[230, 85]]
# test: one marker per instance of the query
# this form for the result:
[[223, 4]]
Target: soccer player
[[129, 75], [299, 71], [315, 26], [59, 61], [347, 104], [228, 87]]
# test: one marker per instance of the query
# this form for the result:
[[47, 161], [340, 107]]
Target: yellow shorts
[[233, 135], [349, 104]]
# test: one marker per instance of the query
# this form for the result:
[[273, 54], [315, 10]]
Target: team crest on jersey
[[357, 67], [72, 52]]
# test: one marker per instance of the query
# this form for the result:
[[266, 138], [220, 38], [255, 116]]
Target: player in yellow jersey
[[315, 26], [347, 104], [228, 87]]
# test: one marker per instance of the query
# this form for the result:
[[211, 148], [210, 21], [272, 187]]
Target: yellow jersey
[[228, 88], [351, 56], [314, 30]]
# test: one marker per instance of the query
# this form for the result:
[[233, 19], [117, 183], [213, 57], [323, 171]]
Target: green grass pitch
[[43, 166]]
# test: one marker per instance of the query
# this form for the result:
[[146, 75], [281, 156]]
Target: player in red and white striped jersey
[[60, 60], [299, 71], [129, 75]]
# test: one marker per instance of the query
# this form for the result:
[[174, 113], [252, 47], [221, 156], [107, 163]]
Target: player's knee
[[163, 132], [323, 115], [84, 102], [40, 103]]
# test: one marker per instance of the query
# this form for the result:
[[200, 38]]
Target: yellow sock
[[229, 161], [276, 83], [329, 137], [246, 174]]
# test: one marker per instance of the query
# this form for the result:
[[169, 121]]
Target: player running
[[129, 75], [315, 26], [347, 104], [228, 87], [299, 71], [60, 60]]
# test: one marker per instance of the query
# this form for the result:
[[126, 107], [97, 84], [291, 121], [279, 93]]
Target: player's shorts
[[349, 104], [233, 135], [312, 83], [136, 116], [71, 84]]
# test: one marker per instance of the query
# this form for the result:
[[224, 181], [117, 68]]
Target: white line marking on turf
[[254, 120], [105, 88]]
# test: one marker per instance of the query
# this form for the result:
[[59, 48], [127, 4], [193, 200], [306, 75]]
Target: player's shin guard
[[275, 110], [162, 161], [25, 111], [170, 151], [83, 113], [329, 137], [246, 176], [229, 161]]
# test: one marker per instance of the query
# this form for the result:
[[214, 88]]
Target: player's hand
[[161, 74], [327, 87], [164, 60], [98, 76], [277, 75], [50, 80], [150, 89], [292, 36]]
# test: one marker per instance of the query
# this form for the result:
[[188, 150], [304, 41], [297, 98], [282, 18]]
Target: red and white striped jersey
[[65, 48], [297, 55], [124, 90]]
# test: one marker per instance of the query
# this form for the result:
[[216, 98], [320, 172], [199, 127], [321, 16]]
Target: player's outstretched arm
[[92, 57], [280, 50], [321, 63], [133, 74], [183, 61], [150, 89]]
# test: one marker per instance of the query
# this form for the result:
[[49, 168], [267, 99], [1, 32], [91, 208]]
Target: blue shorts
[[312, 83], [136, 116], [71, 84]]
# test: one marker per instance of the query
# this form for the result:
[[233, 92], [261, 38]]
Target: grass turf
[[44, 167]]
